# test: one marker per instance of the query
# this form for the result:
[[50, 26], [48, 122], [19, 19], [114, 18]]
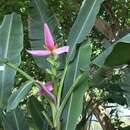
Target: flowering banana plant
[[60, 98], [62, 89], [46, 88], [53, 50]]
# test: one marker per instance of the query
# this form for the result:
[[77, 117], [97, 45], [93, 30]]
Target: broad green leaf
[[20, 94], [116, 54], [36, 109], [83, 24], [15, 120], [39, 13], [81, 63], [11, 44], [76, 103], [81, 28]]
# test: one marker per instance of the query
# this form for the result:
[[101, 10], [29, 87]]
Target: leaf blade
[[81, 64], [11, 44], [36, 109], [20, 94], [15, 120], [83, 24], [112, 55]]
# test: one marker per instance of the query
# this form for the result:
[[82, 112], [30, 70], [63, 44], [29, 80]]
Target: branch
[[100, 114], [103, 119], [104, 28]]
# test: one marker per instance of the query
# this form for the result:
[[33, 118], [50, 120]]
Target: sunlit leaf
[[11, 44], [117, 54], [15, 120], [83, 24], [20, 94]]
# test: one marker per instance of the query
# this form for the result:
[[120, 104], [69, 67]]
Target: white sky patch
[[2, 67]]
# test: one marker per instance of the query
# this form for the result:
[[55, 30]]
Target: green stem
[[19, 70], [53, 110], [58, 127], [57, 118], [61, 86], [48, 119], [66, 98]]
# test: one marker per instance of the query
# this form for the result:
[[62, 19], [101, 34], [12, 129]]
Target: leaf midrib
[[15, 117], [76, 70], [39, 10], [5, 56], [91, 10], [21, 91]]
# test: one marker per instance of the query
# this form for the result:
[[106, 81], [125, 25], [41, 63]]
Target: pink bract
[[49, 45]]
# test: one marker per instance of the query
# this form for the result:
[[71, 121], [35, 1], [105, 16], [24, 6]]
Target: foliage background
[[116, 19]]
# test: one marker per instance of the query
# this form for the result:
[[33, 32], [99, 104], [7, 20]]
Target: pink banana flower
[[46, 88], [51, 47]]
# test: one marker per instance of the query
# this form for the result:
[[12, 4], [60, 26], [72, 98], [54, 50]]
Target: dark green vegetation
[[108, 67]]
